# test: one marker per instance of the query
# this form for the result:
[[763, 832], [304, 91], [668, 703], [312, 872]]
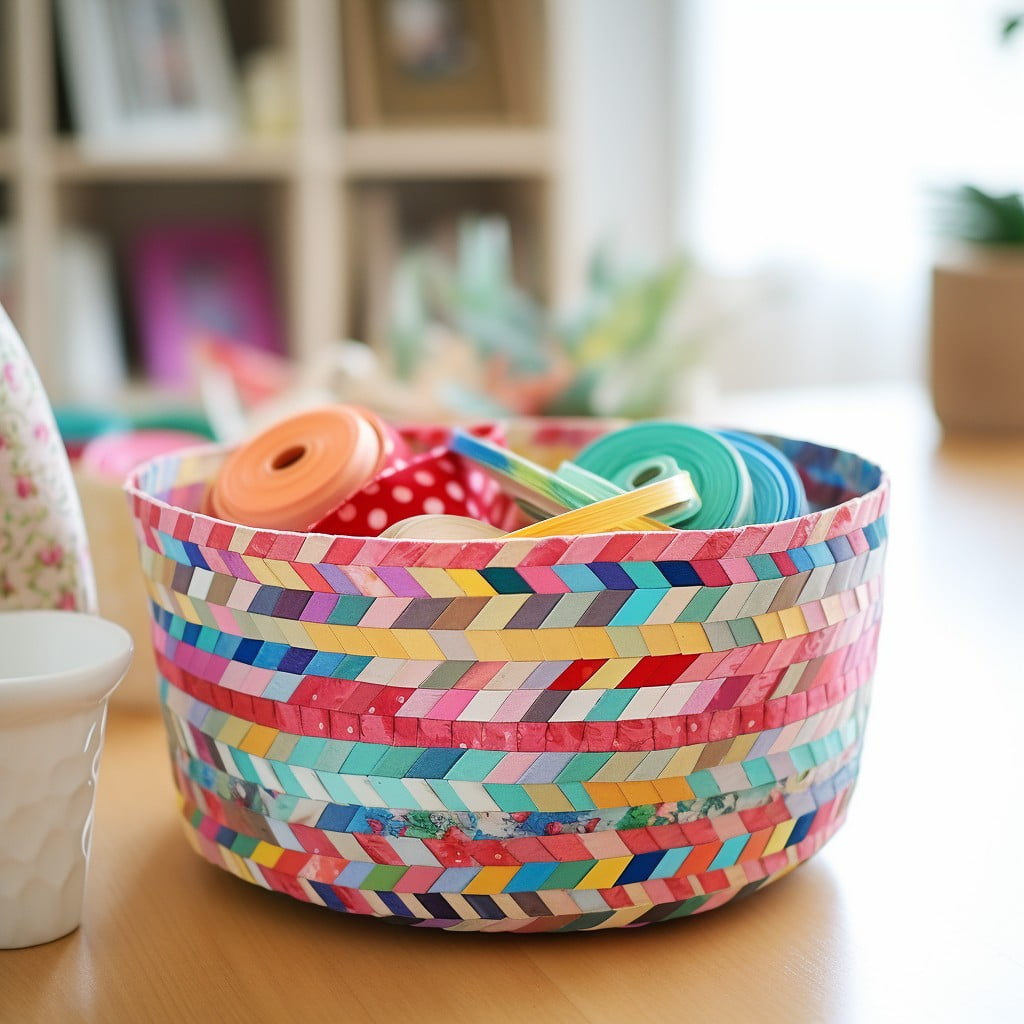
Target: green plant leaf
[[630, 322], [974, 215]]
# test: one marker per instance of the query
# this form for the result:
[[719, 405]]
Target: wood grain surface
[[911, 913]]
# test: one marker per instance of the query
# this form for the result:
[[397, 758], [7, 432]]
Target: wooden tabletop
[[912, 912]]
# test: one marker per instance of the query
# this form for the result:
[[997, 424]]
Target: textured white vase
[[57, 670], [44, 555]]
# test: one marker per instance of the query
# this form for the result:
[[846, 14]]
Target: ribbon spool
[[646, 452], [441, 527], [607, 516], [294, 473], [541, 493], [433, 481], [778, 489]]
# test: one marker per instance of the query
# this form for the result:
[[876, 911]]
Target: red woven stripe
[[635, 734]]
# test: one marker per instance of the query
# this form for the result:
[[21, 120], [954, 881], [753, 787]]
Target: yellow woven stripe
[[595, 644], [295, 632], [559, 645], [321, 636], [673, 790], [490, 880], [637, 793], [185, 608], [349, 639], [604, 873], [233, 731], [436, 582], [547, 796], [259, 568], [258, 740], [383, 643], [740, 747], [487, 645], [420, 645], [769, 626], [471, 583], [289, 578], [605, 794], [660, 639], [237, 866], [691, 638], [779, 837], [610, 674], [793, 622], [684, 760], [522, 645], [566, 643], [266, 855], [498, 612]]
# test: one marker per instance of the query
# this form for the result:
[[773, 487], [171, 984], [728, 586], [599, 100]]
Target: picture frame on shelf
[[199, 284], [441, 62], [148, 74], [88, 333]]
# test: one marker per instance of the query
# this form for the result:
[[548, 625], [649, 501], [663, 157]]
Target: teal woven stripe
[[702, 605], [513, 797], [729, 853], [349, 815], [764, 567], [359, 759], [638, 608]]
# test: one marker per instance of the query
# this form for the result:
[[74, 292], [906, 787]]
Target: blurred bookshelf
[[242, 161], [308, 140], [451, 152]]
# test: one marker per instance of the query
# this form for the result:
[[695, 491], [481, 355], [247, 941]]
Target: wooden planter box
[[977, 339]]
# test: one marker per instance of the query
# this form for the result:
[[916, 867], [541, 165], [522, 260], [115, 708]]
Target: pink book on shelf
[[195, 284]]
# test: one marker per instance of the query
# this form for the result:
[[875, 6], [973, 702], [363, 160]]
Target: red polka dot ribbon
[[432, 480]]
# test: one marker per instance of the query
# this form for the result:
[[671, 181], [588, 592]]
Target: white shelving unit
[[305, 192]]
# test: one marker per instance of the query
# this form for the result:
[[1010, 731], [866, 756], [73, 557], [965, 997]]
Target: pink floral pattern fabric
[[44, 555]]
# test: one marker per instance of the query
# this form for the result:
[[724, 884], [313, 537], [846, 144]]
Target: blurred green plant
[[973, 215], [624, 344], [621, 352]]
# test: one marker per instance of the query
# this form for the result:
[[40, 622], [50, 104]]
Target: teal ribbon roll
[[778, 489], [653, 450]]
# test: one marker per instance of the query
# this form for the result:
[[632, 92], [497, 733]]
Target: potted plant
[[977, 309], [977, 316], [463, 330]]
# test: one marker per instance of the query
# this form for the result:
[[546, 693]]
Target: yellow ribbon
[[624, 512]]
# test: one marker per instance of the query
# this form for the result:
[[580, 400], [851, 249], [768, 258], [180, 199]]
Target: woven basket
[[525, 735]]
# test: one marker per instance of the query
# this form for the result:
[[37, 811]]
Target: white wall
[[613, 87], [810, 142]]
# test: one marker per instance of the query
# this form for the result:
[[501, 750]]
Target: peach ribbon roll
[[297, 471]]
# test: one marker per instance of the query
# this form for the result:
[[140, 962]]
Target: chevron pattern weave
[[523, 735]]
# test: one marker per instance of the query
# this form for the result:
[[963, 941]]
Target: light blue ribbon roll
[[778, 489]]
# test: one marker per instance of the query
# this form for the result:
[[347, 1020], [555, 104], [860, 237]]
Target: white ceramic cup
[[57, 669]]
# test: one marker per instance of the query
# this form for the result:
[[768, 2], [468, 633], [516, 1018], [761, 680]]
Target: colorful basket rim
[[850, 511]]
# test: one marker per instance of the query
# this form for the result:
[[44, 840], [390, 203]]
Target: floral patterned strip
[[44, 556]]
